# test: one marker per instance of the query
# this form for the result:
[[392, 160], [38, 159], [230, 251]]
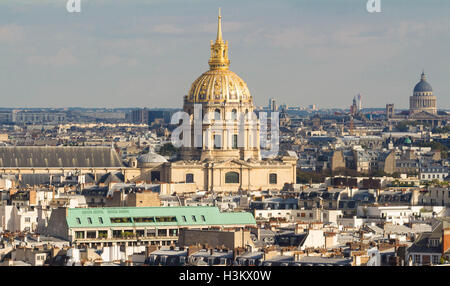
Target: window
[[162, 232], [89, 220], [91, 234], [100, 220], [232, 178], [128, 233], [234, 114], [120, 220], [151, 232], [78, 220], [434, 242], [140, 232], [194, 218], [173, 232], [143, 219], [183, 218], [117, 233], [217, 114], [189, 178], [102, 234], [203, 218], [27, 219], [436, 259], [166, 219], [79, 234], [235, 141], [217, 141], [417, 258], [155, 176], [273, 178]]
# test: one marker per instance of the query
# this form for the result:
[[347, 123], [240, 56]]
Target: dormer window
[[433, 242]]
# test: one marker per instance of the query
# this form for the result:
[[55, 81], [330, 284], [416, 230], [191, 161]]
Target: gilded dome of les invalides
[[219, 84]]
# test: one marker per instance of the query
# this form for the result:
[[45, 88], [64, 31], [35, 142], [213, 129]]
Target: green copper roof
[[172, 216]]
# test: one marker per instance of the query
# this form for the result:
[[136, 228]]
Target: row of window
[[437, 176], [218, 141], [233, 178], [144, 219], [125, 233], [418, 259]]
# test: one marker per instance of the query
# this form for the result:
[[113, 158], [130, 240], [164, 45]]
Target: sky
[[146, 53]]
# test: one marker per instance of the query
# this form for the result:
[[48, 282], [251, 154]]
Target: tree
[[168, 150]]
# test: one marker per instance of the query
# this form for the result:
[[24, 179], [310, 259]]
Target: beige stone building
[[225, 154]]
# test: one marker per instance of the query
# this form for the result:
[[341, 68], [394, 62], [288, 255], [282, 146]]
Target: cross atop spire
[[219, 28]]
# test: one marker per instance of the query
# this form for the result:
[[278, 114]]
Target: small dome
[[151, 158], [423, 85]]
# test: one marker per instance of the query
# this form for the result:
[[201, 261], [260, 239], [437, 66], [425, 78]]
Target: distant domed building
[[150, 159], [422, 107], [422, 99]]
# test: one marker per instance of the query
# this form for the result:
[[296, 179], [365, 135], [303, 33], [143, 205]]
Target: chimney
[[445, 237], [32, 197]]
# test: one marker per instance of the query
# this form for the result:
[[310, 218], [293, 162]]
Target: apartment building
[[137, 225]]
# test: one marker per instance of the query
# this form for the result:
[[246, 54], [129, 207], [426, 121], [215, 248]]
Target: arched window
[[189, 178], [233, 114], [217, 114], [232, 178], [273, 178]]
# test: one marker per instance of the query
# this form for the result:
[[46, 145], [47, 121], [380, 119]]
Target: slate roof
[[58, 157], [423, 86], [421, 244]]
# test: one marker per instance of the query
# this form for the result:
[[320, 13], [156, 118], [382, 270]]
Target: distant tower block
[[359, 102], [272, 104], [389, 110]]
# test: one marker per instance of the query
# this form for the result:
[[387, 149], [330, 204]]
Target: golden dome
[[219, 83]]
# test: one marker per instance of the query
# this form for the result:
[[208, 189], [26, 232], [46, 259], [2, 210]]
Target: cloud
[[112, 60], [11, 34], [167, 29], [62, 58]]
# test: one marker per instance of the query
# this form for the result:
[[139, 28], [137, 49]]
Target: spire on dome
[[219, 49]]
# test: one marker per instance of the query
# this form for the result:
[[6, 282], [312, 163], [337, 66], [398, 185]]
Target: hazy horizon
[[138, 53]]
